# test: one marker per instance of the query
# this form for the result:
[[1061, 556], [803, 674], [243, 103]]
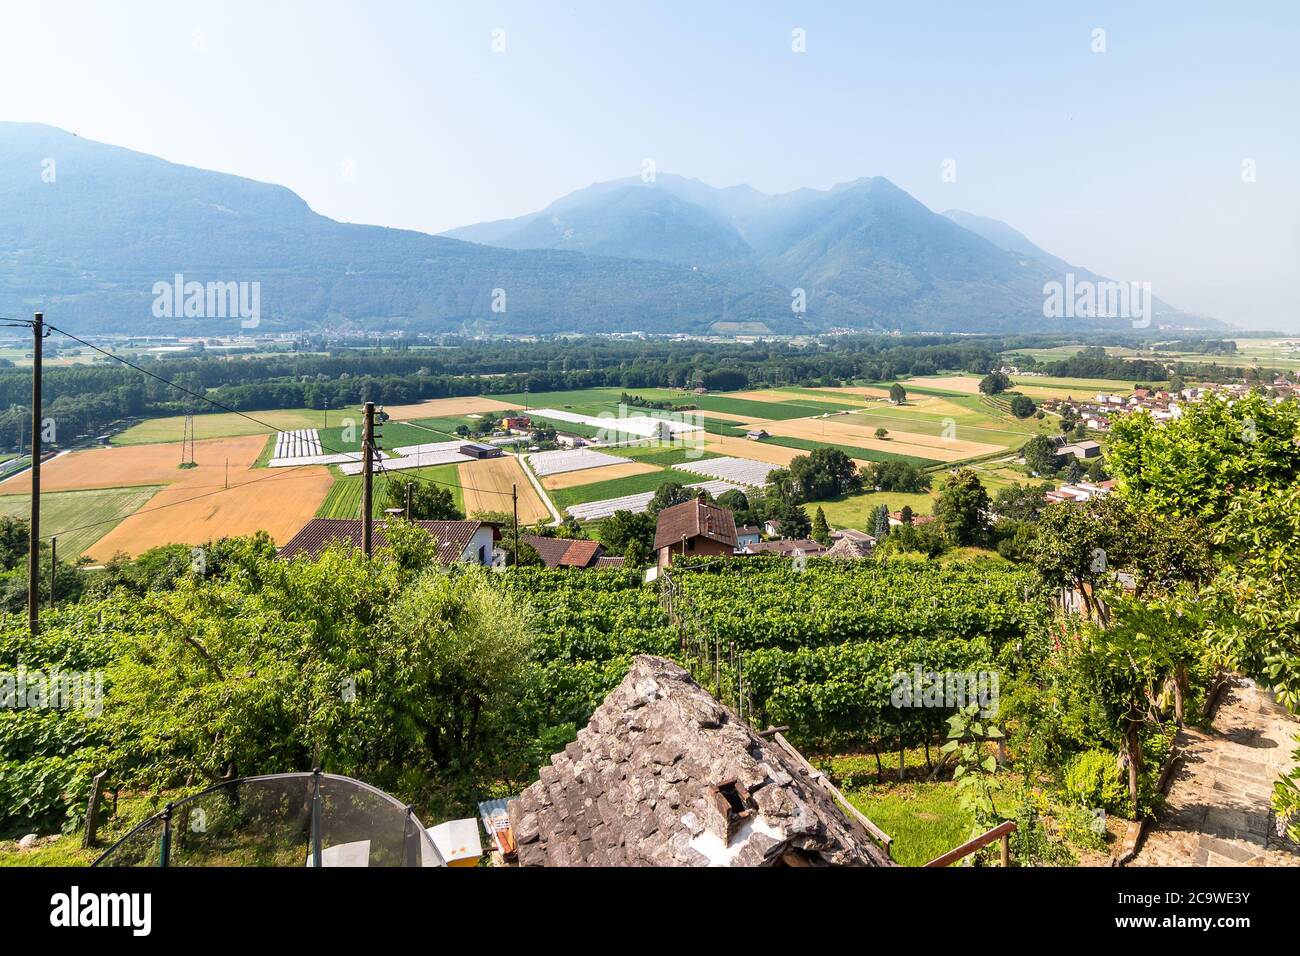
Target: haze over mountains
[[87, 230]]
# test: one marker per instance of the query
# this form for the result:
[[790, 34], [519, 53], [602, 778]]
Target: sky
[[1163, 149]]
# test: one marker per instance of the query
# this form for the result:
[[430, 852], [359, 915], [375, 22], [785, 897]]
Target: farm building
[[694, 527], [480, 450], [664, 775], [570, 552], [469, 541]]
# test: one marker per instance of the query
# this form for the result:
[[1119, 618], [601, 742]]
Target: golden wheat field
[[486, 487]]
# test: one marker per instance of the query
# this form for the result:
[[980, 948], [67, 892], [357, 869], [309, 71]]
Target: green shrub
[[1092, 780]]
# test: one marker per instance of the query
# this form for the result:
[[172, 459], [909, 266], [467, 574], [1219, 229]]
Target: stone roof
[[785, 546], [847, 549], [696, 518], [664, 775], [319, 533]]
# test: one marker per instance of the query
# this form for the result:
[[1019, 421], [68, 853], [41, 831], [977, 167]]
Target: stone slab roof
[[664, 775]]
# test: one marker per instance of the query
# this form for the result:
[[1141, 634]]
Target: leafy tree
[[1040, 455], [1022, 406], [882, 434], [793, 518], [1021, 502], [623, 530], [429, 502], [905, 514], [824, 473], [821, 531], [994, 382], [1194, 464], [962, 508], [897, 394], [899, 476], [671, 493], [1096, 470]]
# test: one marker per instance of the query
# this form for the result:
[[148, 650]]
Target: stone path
[[1218, 811]]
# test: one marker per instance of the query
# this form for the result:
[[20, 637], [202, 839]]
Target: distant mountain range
[[89, 231]]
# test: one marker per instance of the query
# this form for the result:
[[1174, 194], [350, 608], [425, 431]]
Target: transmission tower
[[187, 441]]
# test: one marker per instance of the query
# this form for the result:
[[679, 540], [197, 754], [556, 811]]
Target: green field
[[865, 454], [618, 487], [67, 513], [856, 511], [663, 455], [229, 424], [344, 498]]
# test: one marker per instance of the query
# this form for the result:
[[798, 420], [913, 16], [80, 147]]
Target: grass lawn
[[229, 424], [856, 511], [924, 819], [344, 498], [64, 511], [389, 435]]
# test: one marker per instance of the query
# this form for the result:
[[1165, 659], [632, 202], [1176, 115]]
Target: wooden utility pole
[[54, 566], [409, 486], [34, 542], [367, 457], [514, 501]]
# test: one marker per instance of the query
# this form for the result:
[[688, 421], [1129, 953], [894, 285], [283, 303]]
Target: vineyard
[[816, 650]]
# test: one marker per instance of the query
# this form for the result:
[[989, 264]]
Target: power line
[[234, 411]]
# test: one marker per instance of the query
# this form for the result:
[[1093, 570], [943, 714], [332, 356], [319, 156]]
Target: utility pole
[[367, 457], [54, 566], [409, 486], [514, 502], [34, 543]]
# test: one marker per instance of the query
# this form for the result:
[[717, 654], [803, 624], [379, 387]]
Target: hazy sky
[[1127, 161]]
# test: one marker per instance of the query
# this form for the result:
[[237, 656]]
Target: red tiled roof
[[319, 533], [564, 552], [696, 518]]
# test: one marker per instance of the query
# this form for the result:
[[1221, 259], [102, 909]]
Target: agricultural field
[[344, 498], [486, 485], [1035, 386], [605, 473], [856, 511], [229, 424], [80, 518]]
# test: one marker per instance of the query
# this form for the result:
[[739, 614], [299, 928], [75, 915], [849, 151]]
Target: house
[[469, 541], [787, 547], [758, 434], [748, 534], [520, 422], [694, 527], [772, 528], [854, 535], [896, 519], [476, 449], [570, 552], [664, 775], [847, 549]]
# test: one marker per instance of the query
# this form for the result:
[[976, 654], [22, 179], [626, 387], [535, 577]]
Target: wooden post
[[367, 479], [1006, 849], [34, 541], [514, 504], [54, 565], [92, 809]]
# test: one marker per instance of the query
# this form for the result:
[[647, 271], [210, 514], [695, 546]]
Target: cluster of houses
[[692, 528], [1100, 410]]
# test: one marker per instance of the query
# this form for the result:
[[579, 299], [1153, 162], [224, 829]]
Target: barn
[[480, 450]]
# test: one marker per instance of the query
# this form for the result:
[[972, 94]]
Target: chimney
[[726, 808]]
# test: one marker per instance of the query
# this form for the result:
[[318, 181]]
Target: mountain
[[89, 233], [865, 253], [88, 229]]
